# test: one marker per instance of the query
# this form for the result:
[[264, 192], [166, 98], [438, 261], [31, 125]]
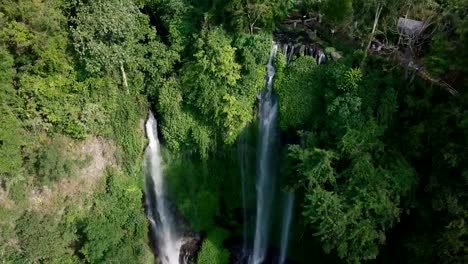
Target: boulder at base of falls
[[191, 243], [335, 55]]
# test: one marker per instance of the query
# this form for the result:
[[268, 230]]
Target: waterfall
[[158, 212], [243, 161], [291, 53], [321, 57], [291, 50], [268, 110], [287, 216], [311, 51]]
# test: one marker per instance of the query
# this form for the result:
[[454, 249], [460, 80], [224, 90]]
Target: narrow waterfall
[[158, 212], [321, 58], [287, 216], [291, 53], [243, 161], [268, 111]]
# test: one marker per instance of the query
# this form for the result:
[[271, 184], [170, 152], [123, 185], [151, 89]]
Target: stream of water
[[268, 112], [158, 212]]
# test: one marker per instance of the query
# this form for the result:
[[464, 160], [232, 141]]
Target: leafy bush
[[212, 250], [115, 228], [329, 50], [18, 190], [353, 185], [213, 101], [11, 140], [50, 162], [299, 93], [44, 239], [106, 34], [126, 119], [349, 81]]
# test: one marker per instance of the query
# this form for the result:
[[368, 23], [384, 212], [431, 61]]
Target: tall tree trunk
[[378, 11], [124, 77]]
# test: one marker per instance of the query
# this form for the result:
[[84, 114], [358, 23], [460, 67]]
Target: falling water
[[287, 215], [158, 212], [291, 53], [243, 160], [265, 182], [321, 57]]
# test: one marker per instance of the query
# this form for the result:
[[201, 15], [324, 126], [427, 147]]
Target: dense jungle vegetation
[[375, 152]]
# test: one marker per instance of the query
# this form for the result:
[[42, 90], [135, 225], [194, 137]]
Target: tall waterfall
[[268, 112], [243, 160], [158, 212], [287, 215]]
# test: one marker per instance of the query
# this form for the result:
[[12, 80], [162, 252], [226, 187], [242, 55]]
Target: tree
[[11, 133], [44, 239], [299, 98], [337, 11], [447, 53], [353, 187], [351, 209], [250, 13], [114, 229], [209, 82], [106, 34], [378, 11], [436, 145], [177, 19], [11, 140], [212, 250]]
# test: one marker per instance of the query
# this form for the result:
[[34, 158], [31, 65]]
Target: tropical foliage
[[373, 146]]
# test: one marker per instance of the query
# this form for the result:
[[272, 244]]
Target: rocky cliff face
[[190, 246], [93, 156], [299, 38]]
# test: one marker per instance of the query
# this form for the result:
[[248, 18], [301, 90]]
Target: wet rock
[[311, 34], [302, 50], [311, 51], [191, 243], [335, 55], [320, 57]]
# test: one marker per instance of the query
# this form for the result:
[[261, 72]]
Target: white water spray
[[159, 214], [265, 182]]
